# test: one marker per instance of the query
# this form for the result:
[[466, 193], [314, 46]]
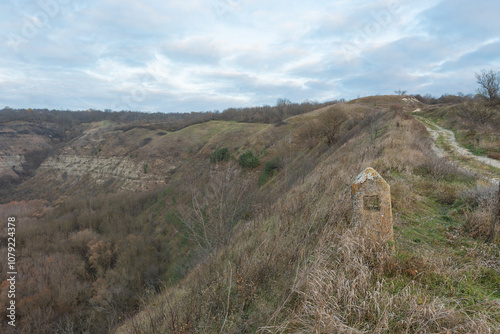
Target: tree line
[[168, 121]]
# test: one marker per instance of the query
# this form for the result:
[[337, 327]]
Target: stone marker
[[371, 207]]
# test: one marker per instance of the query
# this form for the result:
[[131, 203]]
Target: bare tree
[[282, 106], [216, 208], [475, 112], [476, 117], [400, 92], [489, 82], [331, 121]]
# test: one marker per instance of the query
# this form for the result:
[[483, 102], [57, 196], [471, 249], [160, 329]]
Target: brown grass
[[296, 267], [481, 214], [344, 292]]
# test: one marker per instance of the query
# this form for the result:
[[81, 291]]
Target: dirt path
[[450, 149]]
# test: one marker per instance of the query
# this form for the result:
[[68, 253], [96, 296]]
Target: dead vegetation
[[295, 267], [348, 289], [482, 212]]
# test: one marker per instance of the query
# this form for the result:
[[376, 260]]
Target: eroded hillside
[[23, 147], [107, 157]]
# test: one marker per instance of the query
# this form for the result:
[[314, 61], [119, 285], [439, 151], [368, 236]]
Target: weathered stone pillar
[[371, 207]]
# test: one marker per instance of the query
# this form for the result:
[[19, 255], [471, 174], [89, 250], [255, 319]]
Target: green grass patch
[[433, 227], [479, 151]]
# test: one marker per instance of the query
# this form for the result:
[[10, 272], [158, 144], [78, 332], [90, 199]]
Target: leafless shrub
[[475, 114], [309, 134], [331, 122], [479, 195], [440, 168], [216, 208], [481, 216]]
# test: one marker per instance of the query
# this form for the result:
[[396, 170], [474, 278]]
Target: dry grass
[[345, 292], [481, 214], [296, 267]]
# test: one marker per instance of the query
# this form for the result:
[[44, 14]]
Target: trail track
[[445, 146]]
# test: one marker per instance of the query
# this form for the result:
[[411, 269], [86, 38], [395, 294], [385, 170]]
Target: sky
[[201, 55]]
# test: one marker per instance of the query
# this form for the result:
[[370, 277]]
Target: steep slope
[[23, 147], [90, 254], [296, 267]]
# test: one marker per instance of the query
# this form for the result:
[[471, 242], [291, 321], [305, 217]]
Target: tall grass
[[346, 292], [480, 217], [296, 266]]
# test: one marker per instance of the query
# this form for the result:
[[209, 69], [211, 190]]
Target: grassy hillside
[[151, 237], [296, 267], [100, 218]]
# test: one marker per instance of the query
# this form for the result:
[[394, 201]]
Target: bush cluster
[[248, 160], [272, 168], [219, 155]]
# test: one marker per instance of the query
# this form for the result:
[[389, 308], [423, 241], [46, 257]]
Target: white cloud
[[204, 54]]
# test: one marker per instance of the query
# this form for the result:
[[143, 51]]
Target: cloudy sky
[[198, 55]]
